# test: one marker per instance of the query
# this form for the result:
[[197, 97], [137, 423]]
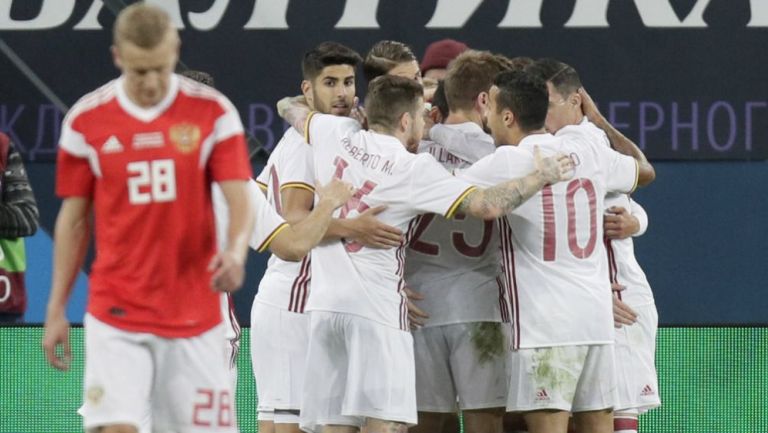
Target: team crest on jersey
[[185, 137]]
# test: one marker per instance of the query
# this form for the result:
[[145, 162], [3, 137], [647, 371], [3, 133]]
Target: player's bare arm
[[294, 110], [72, 234], [622, 144], [365, 228], [295, 242], [228, 266], [496, 201]]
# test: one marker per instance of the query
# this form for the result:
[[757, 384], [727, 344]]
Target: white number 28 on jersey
[[151, 181]]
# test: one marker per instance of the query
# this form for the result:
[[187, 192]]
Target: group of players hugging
[[469, 254]]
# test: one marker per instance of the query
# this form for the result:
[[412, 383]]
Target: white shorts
[[567, 378], [357, 369], [279, 341], [448, 367], [635, 362], [183, 383]]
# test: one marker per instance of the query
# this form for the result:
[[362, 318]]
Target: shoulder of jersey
[[92, 100], [290, 140], [424, 145]]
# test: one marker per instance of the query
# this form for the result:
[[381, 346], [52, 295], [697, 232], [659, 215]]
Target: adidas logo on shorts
[[541, 395], [647, 390]]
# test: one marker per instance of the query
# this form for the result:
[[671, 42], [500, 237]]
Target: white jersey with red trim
[[346, 276], [622, 263], [285, 285], [268, 225], [552, 245], [455, 263]]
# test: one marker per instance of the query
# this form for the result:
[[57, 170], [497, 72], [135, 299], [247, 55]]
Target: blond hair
[[142, 25]]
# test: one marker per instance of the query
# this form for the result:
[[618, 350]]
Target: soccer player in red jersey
[[141, 152]]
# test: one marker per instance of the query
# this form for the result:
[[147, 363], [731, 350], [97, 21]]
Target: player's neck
[[464, 116], [516, 135]]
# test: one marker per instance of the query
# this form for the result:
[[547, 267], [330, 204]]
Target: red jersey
[[149, 174]]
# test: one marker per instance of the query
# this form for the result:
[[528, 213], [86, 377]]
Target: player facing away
[[360, 356], [279, 329], [635, 344], [141, 152], [461, 349], [392, 58], [562, 359]]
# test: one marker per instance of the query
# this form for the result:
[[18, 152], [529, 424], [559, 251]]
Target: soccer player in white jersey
[[461, 349], [572, 109], [360, 355], [279, 329], [562, 358]]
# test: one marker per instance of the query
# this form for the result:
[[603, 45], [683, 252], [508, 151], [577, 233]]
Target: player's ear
[[405, 121], [306, 90], [575, 99], [508, 117], [482, 101]]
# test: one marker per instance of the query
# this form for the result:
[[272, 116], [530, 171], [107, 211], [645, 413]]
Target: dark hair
[[384, 56], [389, 97], [439, 101], [327, 54], [526, 95], [563, 77], [520, 62], [471, 73], [199, 76]]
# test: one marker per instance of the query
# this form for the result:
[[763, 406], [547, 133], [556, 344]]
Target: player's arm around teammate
[[622, 144], [489, 203], [304, 233]]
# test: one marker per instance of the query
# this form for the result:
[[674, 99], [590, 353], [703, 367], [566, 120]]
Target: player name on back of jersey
[[372, 161], [444, 157]]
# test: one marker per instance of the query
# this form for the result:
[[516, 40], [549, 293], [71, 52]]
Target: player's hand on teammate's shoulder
[[336, 192], [228, 271], [373, 233], [619, 224], [553, 169], [294, 110], [57, 334]]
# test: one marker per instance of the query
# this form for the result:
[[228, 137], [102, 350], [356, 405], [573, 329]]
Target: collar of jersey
[[536, 140], [147, 114], [468, 128]]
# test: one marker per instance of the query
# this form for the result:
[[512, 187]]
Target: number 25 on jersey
[[151, 181]]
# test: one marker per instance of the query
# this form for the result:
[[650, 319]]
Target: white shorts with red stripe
[[180, 384], [448, 367], [635, 362], [356, 369], [279, 340], [568, 378]]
